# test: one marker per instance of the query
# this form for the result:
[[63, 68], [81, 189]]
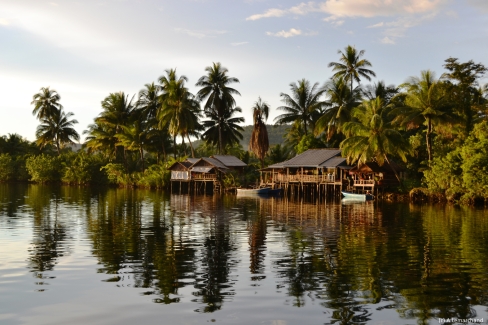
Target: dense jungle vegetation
[[435, 126]]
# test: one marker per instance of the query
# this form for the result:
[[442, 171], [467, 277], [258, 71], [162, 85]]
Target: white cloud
[[357, 8], [200, 33], [387, 40], [291, 33], [4, 22], [238, 43], [377, 25]]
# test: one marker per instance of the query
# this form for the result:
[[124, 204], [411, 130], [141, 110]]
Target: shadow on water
[[353, 261]]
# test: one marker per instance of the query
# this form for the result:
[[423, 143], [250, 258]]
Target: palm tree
[[220, 100], [351, 67], [134, 137], [101, 138], [371, 137], [381, 90], [425, 104], [148, 101], [302, 104], [118, 111], [259, 143], [340, 102], [46, 103], [223, 131], [57, 129], [180, 111]]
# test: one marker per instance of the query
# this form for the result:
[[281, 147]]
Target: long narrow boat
[[359, 197], [253, 191]]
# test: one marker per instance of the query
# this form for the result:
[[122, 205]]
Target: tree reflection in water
[[354, 261]]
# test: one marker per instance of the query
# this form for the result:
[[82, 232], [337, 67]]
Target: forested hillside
[[276, 134]]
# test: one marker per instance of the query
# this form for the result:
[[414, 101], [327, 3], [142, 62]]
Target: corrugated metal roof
[[215, 162], [192, 160], [334, 162], [310, 158], [229, 161], [201, 169]]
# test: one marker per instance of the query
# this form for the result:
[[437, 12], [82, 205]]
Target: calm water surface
[[83, 256]]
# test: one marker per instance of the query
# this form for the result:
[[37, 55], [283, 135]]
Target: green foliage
[[6, 167], [116, 174], [83, 168], [44, 168], [309, 142], [156, 176], [231, 179]]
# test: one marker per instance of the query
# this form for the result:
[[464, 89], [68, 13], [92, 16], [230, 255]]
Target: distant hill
[[276, 134]]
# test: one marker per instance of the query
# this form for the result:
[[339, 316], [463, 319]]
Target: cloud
[[238, 43], [377, 25], [286, 34], [4, 22], [200, 33], [387, 40], [357, 8]]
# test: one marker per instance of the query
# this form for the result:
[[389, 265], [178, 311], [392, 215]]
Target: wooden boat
[[253, 191], [358, 197]]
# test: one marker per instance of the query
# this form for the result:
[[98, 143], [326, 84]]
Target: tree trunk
[[142, 158], [220, 137], [428, 140], [174, 145], [191, 146], [392, 168]]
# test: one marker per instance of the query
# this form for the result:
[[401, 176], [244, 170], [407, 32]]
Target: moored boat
[[358, 197], [253, 191]]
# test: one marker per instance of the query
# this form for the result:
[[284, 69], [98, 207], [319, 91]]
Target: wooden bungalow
[[326, 171], [372, 175], [203, 174], [314, 170]]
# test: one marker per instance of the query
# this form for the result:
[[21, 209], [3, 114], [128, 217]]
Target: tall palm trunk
[[392, 168], [428, 139], [141, 152], [191, 146], [174, 146]]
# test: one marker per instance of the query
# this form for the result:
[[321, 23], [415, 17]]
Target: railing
[[203, 176], [327, 178], [363, 182], [183, 175]]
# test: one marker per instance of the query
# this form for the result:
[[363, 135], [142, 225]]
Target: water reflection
[[354, 262]]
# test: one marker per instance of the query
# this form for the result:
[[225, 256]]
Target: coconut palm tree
[[46, 103], [219, 96], [134, 137], [302, 105], [180, 111], [225, 130], [371, 137], [351, 67], [426, 104], [57, 129], [101, 138], [148, 101], [259, 143], [339, 104]]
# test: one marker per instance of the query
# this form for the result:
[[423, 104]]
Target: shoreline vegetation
[[435, 128]]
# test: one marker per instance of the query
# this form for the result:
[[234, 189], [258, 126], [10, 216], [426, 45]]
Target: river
[[72, 255]]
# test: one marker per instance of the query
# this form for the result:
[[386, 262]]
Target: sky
[[87, 49]]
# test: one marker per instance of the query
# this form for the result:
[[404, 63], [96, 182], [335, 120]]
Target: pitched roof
[[213, 162], [334, 162], [310, 158], [229, 161]]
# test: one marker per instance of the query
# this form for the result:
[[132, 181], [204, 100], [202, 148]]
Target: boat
[[275, 191], [253, 191], [358, 197]]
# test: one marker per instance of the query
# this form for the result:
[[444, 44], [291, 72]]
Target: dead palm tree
[[259, 143]]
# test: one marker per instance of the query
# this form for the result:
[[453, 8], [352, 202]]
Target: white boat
[[253, 191], [357, 197]]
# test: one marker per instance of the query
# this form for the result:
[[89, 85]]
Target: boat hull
[[357, 197], [253, 191]]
